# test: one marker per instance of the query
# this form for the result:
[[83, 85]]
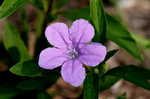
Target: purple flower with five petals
[[72, 49]]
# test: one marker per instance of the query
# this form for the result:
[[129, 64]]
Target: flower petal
[[92, 54], [57, 35], [51, 58], [73, 72], [81, 31]]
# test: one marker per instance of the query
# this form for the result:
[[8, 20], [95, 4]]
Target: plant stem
[[50, 2], [91, 89], [91, 84]]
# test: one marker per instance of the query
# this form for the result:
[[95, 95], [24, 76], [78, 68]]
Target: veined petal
[[51, 58], [73, 72], [92, 54], [81, 31], [57, 35]]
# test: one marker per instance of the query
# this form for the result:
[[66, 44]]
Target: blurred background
[[135, 14]]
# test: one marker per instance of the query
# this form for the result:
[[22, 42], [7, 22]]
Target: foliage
[[9, 6], [27, 77]]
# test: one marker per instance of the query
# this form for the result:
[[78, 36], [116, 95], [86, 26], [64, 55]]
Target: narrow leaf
[[38, 4], [10, 6], [98, 18], [141, 41], [110, 54], [120, 35], [14, 44], [39, 83], [107, 81], [133, 74], [26, 68]]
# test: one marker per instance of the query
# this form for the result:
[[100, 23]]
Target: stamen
[[73, 53]]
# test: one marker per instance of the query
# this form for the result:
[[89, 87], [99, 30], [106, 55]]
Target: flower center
[[73, 53]]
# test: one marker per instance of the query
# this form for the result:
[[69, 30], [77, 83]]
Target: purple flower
[[72, 49]]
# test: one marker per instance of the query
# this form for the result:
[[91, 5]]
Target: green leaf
[[74, 14], [38, 4], [26, 68], [97, 14], [10, 6], [120, 35], [90, 86], [107, 81], [131, 73], [39, 83], [14, 44], [141, 41], [110, 54], [25, 65], [43, 95]]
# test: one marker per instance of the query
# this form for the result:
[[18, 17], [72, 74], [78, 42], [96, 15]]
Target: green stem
[[91, 89], [91, 84]]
